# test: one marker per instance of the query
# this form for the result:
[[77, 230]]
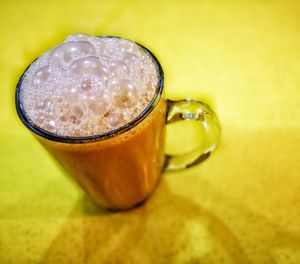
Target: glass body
[[118, 169]]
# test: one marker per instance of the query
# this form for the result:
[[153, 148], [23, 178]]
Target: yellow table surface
[[242, 205]]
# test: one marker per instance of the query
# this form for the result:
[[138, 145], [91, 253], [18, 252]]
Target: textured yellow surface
[[242, 205]]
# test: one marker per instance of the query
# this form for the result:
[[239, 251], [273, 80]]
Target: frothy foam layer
[[88, 85]]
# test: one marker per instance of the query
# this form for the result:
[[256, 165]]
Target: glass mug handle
[[201, 112]]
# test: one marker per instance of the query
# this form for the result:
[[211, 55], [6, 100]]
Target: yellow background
[[242, 205]]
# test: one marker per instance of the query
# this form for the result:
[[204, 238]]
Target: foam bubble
[[125, 94], [71, 95], [80, 37], [131, 57], [98, 103], [115, 119], [67, 51], [63, 117], [40, 117], [150, 91], [125, 45], [42, 75], [89, 66], [49, 124], [77, 111], [119, 67], [88, 85], [43, 104]]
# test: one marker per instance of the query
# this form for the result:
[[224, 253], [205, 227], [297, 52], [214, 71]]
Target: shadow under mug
[[121, 168]]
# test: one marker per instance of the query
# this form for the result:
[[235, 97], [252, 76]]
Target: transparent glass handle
[[201, 112]]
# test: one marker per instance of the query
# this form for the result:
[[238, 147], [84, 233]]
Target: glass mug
[[120, 169]]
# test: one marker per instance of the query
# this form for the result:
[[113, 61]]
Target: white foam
[[88, 85]]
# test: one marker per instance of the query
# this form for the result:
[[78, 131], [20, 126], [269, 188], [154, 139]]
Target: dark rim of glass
[[68, 139]]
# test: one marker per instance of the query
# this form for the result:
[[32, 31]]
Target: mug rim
[[111, 133]]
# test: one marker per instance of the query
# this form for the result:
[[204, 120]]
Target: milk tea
[[97, 100]]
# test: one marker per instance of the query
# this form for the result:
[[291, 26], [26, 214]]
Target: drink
[[87, 88], [95, 104]]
